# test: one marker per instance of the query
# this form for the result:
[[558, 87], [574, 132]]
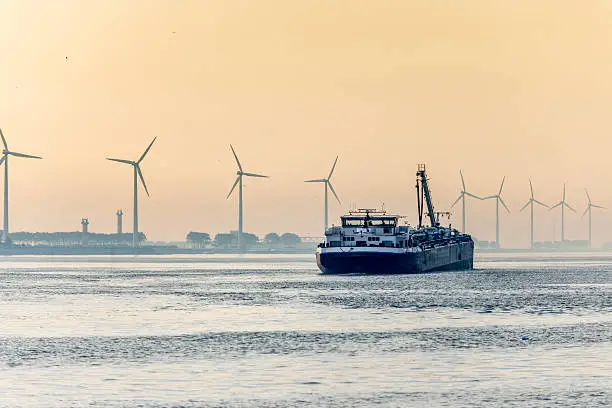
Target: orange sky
[[515, 88]]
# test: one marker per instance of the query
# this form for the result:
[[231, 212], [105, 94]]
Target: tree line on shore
[[229, 240], [73, 238], [195, 239]]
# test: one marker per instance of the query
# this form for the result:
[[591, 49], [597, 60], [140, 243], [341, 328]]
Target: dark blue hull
[[456, 256]]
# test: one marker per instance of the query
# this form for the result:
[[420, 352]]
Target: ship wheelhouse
[[368, 228]]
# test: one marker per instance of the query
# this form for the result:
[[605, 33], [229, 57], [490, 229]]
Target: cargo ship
[[371, 241]]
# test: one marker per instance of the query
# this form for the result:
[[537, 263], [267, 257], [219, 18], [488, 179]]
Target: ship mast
[[422, 179]]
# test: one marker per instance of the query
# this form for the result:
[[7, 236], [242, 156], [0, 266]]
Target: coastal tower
[[84, 231], [119, 222]]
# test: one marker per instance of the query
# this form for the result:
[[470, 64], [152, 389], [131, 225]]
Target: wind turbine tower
[[461, 197], [590, 206], [328, 186], [563, 204], [137, 175], [119, 222], [238, 182], [531, 203], [498, 200], [4, 160]]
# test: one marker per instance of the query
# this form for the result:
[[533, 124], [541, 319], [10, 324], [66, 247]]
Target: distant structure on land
[[531, 203], [4, 160], [498, 199], [119, 222], [590, 206], [328, 186], [85, 225], [563, 204], [85, 230], [238, 182], [137, 174], [461, 197]]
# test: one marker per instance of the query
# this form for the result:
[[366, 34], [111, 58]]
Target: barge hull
[[459, 256]]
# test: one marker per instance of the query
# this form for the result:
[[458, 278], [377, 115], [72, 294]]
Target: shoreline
[[173, 250]]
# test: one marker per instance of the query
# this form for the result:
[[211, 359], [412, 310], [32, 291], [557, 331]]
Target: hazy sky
[[514, 88]]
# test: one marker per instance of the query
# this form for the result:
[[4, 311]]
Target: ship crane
[[424, 194]]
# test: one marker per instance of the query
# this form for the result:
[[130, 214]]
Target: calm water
[[270, 331]]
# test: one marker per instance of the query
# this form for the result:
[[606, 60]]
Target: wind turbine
[[329, 186], [238, 181], [562, 204], [498, 199], [590, 205], [137, 175], [5, 155], [461, 197], [531, 203]]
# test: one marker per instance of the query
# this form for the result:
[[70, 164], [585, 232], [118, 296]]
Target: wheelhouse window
[[353, 222], [382, 222], [364, 222]]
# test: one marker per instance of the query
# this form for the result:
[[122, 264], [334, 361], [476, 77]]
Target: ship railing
[[442, 242]]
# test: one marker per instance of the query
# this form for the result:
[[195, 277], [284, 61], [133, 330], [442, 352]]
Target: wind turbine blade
[[254, 175], [564, 192], [502, 185], [592, 205], [489, 197], [233, 187], [585, 212], [504, 204], [541, 203], [458, 199], [333, 168], [142, 179], [472, 195], [146, 151], [27, 156], [462, 181], [316, 181], [3, 140], [2, 159], [531, 188], [526, 205], [555, 206], [568, 206], [588, 196], [333, 191], [236, 157], [122, 161]]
